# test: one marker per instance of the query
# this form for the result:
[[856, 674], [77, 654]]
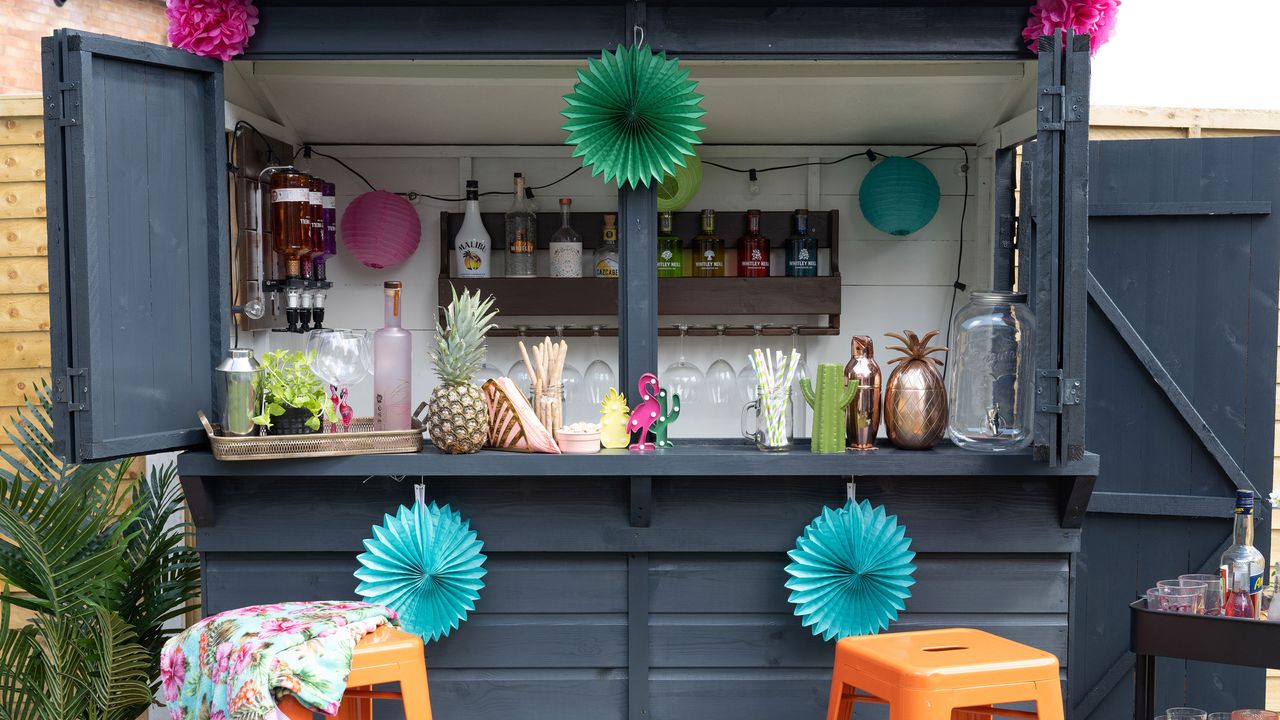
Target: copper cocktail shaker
[[862, 417]]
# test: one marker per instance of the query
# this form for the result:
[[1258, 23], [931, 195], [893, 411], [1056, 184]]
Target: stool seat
[[953, 658], [944, 675], [386, 655]]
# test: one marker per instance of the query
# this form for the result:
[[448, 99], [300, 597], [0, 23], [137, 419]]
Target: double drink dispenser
[[303, 225]]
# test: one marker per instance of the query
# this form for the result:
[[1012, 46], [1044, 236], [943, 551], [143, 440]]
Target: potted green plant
[[294, 401]]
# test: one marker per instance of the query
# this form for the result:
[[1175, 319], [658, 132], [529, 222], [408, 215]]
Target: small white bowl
[[578, 443]]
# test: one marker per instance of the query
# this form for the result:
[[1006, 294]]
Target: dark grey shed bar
[[620, 585]]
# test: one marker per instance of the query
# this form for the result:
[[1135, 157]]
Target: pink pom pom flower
[[211, 28], [1095, 17]]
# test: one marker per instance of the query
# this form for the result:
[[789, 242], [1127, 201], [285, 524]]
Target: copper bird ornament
[[862, 417], [915, 398]]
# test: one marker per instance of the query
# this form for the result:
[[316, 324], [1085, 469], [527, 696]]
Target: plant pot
[[292, 422]]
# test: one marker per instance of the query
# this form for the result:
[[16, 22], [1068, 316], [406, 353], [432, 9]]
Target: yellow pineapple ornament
[[613, 420]]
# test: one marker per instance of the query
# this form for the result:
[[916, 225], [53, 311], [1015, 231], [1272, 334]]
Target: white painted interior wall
[[889, 283]]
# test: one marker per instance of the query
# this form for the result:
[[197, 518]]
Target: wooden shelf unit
[[745, 299]]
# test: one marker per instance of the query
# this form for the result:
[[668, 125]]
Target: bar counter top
[[689, 458]]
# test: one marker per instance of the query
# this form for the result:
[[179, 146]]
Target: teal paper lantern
[[851, 571], [899, 196], [425, 563]]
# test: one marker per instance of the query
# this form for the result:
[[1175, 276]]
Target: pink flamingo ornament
[[646, 413]]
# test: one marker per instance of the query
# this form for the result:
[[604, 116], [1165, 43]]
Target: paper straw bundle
[[547, 372], [774, 375]]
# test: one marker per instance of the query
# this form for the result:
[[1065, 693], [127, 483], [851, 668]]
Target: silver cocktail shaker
[[239, 392]]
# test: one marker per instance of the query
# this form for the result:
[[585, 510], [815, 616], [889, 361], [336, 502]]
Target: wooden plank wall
[[24, 271]]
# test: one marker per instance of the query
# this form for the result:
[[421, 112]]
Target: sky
[[1180, 53]]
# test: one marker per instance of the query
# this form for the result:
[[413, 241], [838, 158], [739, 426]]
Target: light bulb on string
[[753, 183]]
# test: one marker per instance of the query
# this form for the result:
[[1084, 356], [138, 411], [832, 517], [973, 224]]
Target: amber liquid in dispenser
[[862, 417], [291, 218]]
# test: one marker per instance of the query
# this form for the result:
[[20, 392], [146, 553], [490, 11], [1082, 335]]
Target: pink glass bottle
[[392, 377]]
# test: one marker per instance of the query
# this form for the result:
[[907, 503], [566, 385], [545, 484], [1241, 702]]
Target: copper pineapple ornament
[[915, 399], [862, 417]]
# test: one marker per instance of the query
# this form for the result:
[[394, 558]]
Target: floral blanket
[[235, 665]]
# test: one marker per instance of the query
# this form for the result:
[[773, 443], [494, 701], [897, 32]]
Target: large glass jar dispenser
[[991, 373]]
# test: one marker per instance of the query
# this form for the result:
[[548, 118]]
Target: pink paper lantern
[[381, 229]]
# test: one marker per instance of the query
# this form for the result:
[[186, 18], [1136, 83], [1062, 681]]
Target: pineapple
[[457, 416]]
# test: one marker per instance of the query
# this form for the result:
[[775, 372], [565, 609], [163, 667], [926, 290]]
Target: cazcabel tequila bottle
[[670, 249], [566, 246], [802, 248], [291, 218], [708, 249], [753, 249], [1242, 553], [392, 384], [606, 256], [472, 243], [522, 235]]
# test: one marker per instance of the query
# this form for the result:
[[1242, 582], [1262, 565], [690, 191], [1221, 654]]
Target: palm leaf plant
[[101, 564]]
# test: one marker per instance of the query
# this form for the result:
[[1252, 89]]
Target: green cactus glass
[[828, 399]]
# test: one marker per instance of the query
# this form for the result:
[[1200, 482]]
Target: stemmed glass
[[722, 381], [518, 373], [682, 377], [488, 371], [341, 358], [600, 377], [801, 373], [748, 385], [570, 379]]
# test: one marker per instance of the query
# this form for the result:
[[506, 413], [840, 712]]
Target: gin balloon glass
[[682, 376], [599, 377], [722, 381], [518, 373], [748, 384], [341, 358], [570, 381]]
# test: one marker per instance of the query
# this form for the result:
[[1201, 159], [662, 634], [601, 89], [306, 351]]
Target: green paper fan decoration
[[851, 571], [425, 564], [633, 115]]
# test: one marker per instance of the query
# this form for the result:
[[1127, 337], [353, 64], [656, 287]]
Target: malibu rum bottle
[[708, 249], [753, 249], [802, 248], [670, 249], [472, 244]]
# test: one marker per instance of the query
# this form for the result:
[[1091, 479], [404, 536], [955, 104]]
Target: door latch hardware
[[1053, 392], [69, 386]]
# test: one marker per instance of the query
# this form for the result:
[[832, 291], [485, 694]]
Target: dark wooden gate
[[1183, 266]]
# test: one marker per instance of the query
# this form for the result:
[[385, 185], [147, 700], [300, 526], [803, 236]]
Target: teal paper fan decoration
[[899, 196], [851, 571], [425, 564], [633, 115]]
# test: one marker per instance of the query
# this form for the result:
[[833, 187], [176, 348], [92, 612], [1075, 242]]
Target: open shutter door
[[136, 163]]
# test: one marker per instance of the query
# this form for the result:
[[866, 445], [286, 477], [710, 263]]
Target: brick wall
[[24, 22]]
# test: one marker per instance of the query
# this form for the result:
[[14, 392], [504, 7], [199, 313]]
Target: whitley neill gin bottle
[[753, 249], [708, 249], [471, 245], [392, 384], [802, 248], [522, 235], [670, 249]]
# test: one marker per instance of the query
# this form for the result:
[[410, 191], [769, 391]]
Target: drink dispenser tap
[[304, 312], [317, 308], [292, 301]]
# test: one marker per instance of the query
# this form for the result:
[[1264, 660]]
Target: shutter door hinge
[[69, 386], [1055, 109], [1053, 392], [64, 104]]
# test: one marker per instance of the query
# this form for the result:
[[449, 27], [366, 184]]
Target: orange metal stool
[[944, 674], [385, 655]]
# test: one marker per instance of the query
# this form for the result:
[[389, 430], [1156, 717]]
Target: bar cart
[[1232, 641]]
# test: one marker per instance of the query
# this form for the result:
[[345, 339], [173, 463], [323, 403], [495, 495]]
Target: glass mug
[[772, 418]]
